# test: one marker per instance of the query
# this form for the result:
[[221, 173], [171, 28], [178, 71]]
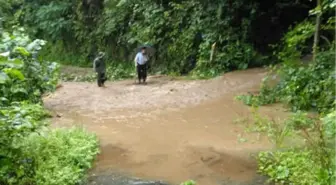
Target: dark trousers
[[142, 72], [101, 79]]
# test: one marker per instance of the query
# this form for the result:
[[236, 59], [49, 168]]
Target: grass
[[61, 156]]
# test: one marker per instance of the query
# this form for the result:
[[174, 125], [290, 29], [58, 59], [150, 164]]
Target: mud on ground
[[169, 130]]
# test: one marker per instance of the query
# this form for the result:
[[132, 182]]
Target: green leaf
[[3, 77], [19, 90], [14, 72], [15, 63], [329, 125], [4, 55], [22, 51]]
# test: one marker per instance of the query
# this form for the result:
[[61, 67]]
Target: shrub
[[61, 156], [301, 87], [114, 71], [29, 154], [22, 76], [311, 163], [189, 182]]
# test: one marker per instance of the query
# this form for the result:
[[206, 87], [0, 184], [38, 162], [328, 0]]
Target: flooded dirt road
[[170, 130]]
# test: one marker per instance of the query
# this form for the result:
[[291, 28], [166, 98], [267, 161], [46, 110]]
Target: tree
[[321, 7], [317, 28]]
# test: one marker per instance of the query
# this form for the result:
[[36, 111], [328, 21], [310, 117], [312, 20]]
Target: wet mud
[[167, 131]]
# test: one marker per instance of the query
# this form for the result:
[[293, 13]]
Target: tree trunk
[[317, 29], [213, 47]]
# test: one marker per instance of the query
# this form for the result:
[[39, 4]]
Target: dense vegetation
[[26, 144], [183, 32], [302, 85]]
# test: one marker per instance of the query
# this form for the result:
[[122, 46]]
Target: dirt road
[[172, 130]]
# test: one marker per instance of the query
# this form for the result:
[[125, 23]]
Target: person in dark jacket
[[100, 68]]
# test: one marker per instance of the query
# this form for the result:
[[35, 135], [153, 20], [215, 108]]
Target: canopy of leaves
[[181, 31]]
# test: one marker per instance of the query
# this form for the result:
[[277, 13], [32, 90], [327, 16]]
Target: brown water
[[170, 130]]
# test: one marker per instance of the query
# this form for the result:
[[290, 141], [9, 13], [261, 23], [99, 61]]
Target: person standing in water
[[140, 60], [100, 68]]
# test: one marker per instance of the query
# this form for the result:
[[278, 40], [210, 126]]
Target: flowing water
[[169, 130]]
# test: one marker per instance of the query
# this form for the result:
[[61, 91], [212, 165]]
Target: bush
[[301, 87], [17, 122], [114, 71], [119, 71], [61, 156], [29, 155], [22, 76], [313, 162], [189, 182], [289, 167], [233, 56]]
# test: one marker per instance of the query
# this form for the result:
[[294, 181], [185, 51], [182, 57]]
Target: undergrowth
[[310, 163], [29, 152], [189, 182], [301, 86], [61, 156], [114, 71], [304, 144]]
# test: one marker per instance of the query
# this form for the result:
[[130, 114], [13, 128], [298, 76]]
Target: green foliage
[[61, 156], [329, 126], [181, 31], [267, 95], [115, 71], [314, 164], [78, 78], [302, 87], [16, 123], [294, 42], [29, 154], [276, 130], [23, 77], [189, 182], [289, 167], [119, 71], [236, 55]]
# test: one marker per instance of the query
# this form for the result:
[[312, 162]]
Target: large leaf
[[5, 54], [16, 90], [3, 77], [13, 63], [14, 72], [22, 51], [36, 45]]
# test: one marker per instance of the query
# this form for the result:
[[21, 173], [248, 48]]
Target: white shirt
[[140, 58]]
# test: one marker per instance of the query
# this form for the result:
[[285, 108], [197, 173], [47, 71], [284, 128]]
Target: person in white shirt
[[140, 60]]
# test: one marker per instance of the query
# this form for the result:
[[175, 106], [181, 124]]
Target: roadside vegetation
[[304, 87], [30, 152]]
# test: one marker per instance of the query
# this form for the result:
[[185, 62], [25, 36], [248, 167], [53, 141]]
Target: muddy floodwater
[[169, 130]]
